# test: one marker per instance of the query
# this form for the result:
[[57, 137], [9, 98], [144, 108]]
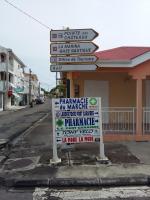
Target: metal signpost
[[73, 46], [77, 120], [55, 158], [73, 35], [65, 68], [73, 59]]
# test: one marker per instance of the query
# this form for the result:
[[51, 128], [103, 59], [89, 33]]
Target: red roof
[[122, 53]]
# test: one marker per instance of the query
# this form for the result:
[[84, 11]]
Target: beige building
[[34, 86], [122, 80]]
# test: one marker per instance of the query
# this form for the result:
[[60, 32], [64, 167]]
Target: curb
[[76, 182]]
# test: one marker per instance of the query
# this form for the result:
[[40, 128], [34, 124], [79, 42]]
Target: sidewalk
[[13, 109], [126, 168]]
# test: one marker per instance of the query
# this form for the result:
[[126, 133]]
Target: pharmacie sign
[[76, 119]]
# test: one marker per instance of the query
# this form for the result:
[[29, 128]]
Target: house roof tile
[[122, 53]]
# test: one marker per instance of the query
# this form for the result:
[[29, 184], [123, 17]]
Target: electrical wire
[[30, 16], [25, 13]]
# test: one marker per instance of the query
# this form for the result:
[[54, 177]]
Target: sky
[[118, 22]]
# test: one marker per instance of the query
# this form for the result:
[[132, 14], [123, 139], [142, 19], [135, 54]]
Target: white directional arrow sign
[[72, 35], [65, 68], [74, 59], [72, 48]]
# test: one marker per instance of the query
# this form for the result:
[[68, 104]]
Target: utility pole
[[7, 81], [30, 85], [39, 88]]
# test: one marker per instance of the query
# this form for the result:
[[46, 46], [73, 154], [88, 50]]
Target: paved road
[[126, 193], [30, 156], [14, 123]]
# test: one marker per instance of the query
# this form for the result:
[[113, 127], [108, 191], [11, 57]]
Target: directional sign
[[76, 119], [77, 133], [58, 140], [77, 104], [81, 113], [77, 123], [78, 139], [72, 35], [74, 59], [72, 48], [64, 68]]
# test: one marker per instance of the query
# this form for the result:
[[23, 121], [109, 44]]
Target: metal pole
[[102, 154], [55, 158], [102, 157], [7, 81], [30, 86], [39, 88]]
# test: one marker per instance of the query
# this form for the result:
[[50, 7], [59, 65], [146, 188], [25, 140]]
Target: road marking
[[28, 131]]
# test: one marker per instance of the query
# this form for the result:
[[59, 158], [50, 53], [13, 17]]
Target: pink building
[[122, 80]]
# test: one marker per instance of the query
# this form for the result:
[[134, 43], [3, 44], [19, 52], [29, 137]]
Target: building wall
[[18, 71], [122, 88]]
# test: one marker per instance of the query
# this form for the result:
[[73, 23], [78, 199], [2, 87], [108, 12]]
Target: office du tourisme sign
[[76, 120]]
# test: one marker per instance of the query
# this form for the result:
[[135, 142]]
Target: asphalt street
[[28, 160], [13, 123]]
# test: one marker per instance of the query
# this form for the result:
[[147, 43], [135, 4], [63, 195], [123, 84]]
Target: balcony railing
[[146, 120], [2, 86], [118, 120], [3, 67]]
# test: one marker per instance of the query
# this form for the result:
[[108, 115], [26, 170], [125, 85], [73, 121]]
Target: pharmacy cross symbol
[[93, 101]]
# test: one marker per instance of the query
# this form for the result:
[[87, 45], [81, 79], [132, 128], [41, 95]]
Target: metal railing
[[3, 67], [118, 120], [146, 120], [2, 86]]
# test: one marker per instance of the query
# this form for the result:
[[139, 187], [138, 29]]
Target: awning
[[12, 85], [16, 95]]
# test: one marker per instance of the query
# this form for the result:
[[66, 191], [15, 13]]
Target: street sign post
[[77, 120], [55, 158], [73, 48], [73, 35], [65, 68], [74, 59]]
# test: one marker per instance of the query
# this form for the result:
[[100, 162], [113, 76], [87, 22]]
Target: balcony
[[2, 86], [3, 67]]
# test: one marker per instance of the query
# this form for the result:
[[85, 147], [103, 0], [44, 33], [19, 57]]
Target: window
[[2, 57], [2, 76], [76, 90]]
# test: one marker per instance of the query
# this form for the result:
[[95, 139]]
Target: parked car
[[40, 100]]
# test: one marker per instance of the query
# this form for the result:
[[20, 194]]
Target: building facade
[[11, 78], [32, 87], [122, 80], [14, 82]]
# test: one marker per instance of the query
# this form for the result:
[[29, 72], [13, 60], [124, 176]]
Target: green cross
[[93, 101], [59, 122]]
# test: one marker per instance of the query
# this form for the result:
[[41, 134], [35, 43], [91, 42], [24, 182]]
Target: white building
[[11, 79], [34, 86]]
